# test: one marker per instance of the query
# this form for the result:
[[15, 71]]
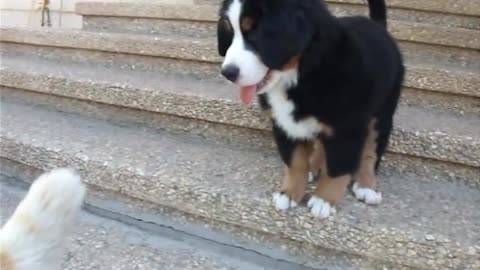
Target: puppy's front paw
[[367, 195], [282, 201], [320, 208]]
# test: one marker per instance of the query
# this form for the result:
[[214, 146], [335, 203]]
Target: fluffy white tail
[[33, 237]]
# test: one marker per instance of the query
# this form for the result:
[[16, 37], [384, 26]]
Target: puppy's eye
[[246, 24]]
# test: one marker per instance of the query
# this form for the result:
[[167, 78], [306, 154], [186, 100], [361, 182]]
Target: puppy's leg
[[317, 161], [33, 237], [342, 155], [365, 176], [329, 193], [295, 155]]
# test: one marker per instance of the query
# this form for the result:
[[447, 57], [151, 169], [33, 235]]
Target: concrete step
[[422, 223], [428, 43], [466, 7], [447, 88], [461, 7], [462, 14], [446, 144], [107, 237]]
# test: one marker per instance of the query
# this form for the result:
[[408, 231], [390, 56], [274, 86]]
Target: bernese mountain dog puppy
[[331, 86]]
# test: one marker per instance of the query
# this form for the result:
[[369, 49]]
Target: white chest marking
[[282, 111]]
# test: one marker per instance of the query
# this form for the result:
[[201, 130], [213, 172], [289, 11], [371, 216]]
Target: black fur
[[224, 32], [288, 34], [350, 72], [378, 12]]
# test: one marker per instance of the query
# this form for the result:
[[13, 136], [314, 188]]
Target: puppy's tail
[[34, 235], [378, 11]]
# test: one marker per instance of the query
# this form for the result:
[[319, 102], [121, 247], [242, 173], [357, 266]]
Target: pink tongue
[[247, 94]]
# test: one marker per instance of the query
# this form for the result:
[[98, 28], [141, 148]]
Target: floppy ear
[[283, 36], [224, 35]]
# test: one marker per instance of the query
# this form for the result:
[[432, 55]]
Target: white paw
[[367, 195], [282, 201], [320, 208], [37, 230], [58, 192]]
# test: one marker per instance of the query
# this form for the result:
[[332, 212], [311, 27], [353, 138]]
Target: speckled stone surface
[[237, 136], [413, 51], [232, 135], [454, 15], [222, 238], [167, 46], [424, 76], [426, 33], [421, 76], [416, 34], [147, 10], [109, 20], [101, 243], [436, 78], [422, 223], [151, 26], [419, 132], [402, 30], [434, 169], [131, 62], [456, 104], [440, 56], [410, 15], [467, 7]]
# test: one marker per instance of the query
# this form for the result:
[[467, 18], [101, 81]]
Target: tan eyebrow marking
[[246, 24]]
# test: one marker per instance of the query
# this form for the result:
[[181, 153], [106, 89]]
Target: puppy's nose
[[231, 72]]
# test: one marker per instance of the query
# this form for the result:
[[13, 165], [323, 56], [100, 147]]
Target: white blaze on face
[[252, 70]]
